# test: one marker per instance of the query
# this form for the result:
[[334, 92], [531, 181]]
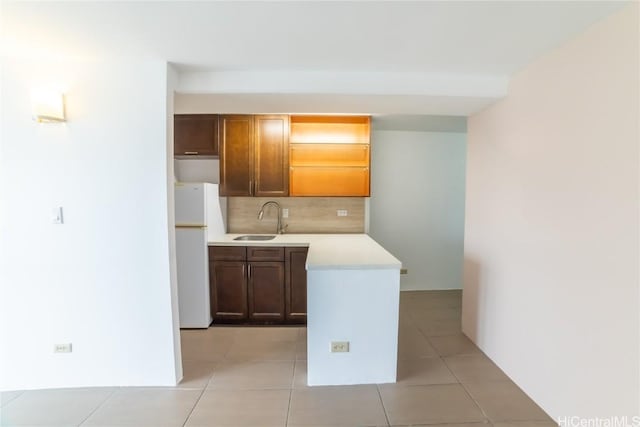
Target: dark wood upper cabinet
[[236, 155], [254, 155], [271, 156], [295, 285], [195, 134]]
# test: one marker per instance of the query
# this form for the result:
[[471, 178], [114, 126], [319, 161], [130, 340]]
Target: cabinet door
[[266, 291], [195, 134], [228, 285], [296, 285], [236, 155], [271, 156]]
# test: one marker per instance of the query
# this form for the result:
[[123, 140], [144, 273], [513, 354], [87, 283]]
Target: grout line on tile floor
[[213, 373], [100, 405], [226, 352], [384, 408], [441, 357], [293, 380], [486, 417], [293, 377], [186, 420], [286, 421]]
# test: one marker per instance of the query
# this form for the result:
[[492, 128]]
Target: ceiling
[[475, 38]]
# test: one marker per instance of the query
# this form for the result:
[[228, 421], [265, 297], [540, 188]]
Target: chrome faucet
[[280, 229]]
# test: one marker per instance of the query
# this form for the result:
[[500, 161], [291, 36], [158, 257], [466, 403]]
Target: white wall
[[417, 204], [551, 237], [101, 281]]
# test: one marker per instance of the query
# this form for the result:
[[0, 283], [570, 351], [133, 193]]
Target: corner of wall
[[172, 81]]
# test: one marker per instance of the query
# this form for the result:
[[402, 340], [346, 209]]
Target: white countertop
[[327, 251]]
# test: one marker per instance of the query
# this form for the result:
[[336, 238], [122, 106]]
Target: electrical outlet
[[339, 346], [404, 271], [285, 213], [56, 215], [342, 212], [62, 348]]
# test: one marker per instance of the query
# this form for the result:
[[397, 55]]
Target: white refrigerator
[[199, 219]]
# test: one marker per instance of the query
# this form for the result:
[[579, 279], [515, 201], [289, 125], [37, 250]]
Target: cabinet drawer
[[227, 253], [329, 181], [265, 253], [329, 155]]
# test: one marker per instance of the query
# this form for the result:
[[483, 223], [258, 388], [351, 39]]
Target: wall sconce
[[47, 106]]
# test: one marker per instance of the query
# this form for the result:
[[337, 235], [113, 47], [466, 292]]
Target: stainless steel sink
[[255, 237]]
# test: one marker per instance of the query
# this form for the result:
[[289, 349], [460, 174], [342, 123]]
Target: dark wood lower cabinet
[[258, 285], [266, 291], [228, 290], [295, 285]]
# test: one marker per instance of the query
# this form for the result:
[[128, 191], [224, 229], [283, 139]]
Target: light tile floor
[[237, 376]]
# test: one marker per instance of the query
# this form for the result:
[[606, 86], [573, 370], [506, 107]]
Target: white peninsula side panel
[[359, 306]]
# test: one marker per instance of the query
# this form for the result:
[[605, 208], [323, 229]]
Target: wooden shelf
[[330, 129], [322, 181], [329, 155]]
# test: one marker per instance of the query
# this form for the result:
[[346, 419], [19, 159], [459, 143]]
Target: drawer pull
[[191, 153]]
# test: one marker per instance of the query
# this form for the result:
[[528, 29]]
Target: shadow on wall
[[471, 297]]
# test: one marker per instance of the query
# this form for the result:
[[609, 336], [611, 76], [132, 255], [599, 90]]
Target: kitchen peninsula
[[353, 288]]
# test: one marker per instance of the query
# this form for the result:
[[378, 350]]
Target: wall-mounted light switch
[[56, 215], [285, 213], [342, 212]]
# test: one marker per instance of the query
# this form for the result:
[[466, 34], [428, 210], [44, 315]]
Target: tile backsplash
[[306, 214]]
